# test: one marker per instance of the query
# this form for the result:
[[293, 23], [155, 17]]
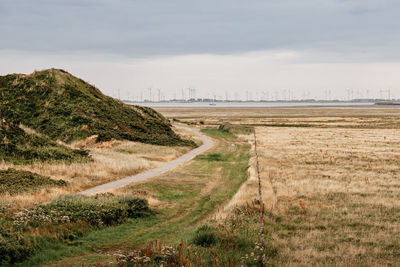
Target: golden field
[[337, 192]]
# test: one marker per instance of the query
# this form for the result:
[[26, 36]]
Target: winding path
[[207, 144]]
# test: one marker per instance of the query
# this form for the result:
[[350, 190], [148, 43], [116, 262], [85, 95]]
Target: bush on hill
[[17, 181], [18, 147]]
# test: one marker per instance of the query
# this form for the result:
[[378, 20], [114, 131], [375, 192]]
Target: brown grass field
[[373, 117], [336, 191], [330, 182]]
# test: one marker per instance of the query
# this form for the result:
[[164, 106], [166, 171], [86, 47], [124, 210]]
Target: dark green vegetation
[[235, 128], [210, 157], [62, 221], [188, 196], [17, 181], [18, 147], [219, 134], [61, 106], [228, 131], [205, 236]]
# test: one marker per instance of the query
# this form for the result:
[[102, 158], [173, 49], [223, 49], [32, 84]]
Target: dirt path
[[207, 144]]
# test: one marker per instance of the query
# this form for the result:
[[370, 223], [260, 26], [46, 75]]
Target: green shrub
[[16, 181], [102, 210], [205, 236], [64, 219], [210, 157], [14, 247], [18, 147], [235, 128]]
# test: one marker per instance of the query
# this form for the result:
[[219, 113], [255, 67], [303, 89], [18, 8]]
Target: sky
[[235, 49]]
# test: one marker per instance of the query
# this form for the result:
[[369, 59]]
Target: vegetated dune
[[63, 107]]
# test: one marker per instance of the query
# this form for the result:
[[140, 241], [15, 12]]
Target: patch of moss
[[61, 106], [16, 181]]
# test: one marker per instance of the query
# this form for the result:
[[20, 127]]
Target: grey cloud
[[362, 30]]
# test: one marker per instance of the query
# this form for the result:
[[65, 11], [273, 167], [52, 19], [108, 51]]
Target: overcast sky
[[316, 48]]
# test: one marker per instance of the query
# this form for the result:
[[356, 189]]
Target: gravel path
[[207, 144]]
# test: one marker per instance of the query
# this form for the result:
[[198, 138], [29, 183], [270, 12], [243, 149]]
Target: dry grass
[[111, 160], [184, 131], [279, 112], [330, 182], [332, 195], [248, 192], [325, 160], [375, 117], [336, 194]]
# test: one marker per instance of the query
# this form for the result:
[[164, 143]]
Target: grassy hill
[[61, 106], [19, 147]]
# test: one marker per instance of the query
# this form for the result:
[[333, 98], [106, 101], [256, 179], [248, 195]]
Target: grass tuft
[[205, 236]]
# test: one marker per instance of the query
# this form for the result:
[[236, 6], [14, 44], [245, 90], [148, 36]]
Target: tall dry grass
[[368, 117], [331, 195], [112, 160], [336, 194]]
